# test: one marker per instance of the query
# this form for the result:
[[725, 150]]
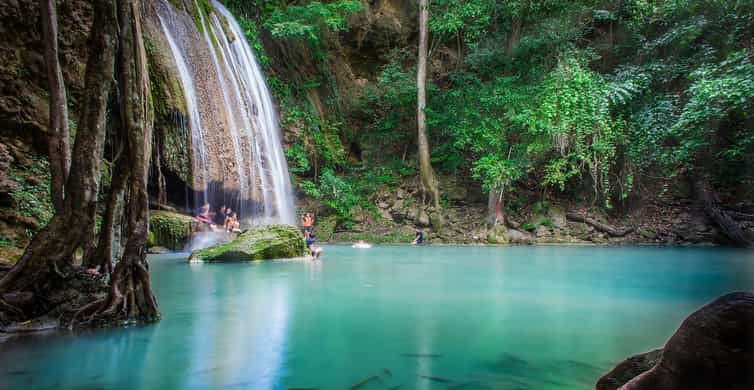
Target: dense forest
[[603, 105], [478, 121]]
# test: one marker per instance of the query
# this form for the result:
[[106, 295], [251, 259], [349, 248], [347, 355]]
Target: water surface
[[492, 317]]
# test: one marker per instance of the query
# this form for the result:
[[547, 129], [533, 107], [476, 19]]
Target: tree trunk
[[52, 248], [711, 203], [425, 165], [58, 134], [496, 207], [513, 36], [130, 297], [104, 255]]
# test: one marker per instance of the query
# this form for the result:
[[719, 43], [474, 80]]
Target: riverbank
[[670, 217]]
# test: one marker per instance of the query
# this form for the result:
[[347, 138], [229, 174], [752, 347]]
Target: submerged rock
[[629, 369], [712, 349], [258, 243], [169, 230]]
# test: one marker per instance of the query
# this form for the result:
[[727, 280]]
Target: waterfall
[[197, 137], [237, 155]]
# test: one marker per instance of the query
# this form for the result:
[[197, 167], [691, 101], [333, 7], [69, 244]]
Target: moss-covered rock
[[169, 230], [259, 243]]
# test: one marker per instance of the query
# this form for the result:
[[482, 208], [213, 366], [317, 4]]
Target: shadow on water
[[522, 374], [96, 367]]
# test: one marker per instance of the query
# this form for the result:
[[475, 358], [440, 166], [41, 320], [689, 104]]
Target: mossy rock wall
[[259, 243], [171, 140], [169, 230]]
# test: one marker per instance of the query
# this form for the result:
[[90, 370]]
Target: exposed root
[[10, 308], [85, 309]]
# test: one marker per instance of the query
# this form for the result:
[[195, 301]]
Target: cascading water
[[270, 160], [231, 115], [237, 156], [197, 138]]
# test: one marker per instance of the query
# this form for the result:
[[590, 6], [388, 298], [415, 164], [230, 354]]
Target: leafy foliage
[[583, 97], [310, 21]]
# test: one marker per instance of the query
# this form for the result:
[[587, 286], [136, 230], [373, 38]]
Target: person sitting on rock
[[221, 215], [228, 219], [202, 214], [232, 223]]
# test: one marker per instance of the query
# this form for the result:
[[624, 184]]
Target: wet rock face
[[259, 243], [171, 142], [23, 77], [712, 349]]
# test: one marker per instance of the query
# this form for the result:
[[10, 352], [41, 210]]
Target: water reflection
[[115, 358], [239, 336]]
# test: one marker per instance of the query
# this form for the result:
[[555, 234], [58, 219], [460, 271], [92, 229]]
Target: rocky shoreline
[[467, 226]]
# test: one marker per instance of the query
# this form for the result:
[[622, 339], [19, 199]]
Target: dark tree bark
[[48, 255], [130, 297], [93, 254], [103, 257], [58, 133]]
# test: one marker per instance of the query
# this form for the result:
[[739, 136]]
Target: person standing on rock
[[314, 251], [307, 221]]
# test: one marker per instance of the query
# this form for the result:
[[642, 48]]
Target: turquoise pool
[[547, 317]]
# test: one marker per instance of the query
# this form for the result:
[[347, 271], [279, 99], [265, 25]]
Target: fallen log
[[604, 228], [741, 216], [711, 203]]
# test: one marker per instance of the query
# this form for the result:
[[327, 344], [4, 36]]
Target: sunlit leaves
[[309, 21]]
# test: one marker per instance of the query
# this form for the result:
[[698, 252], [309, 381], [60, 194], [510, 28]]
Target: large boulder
[[712, 349], [170, 230], [258, 243]]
